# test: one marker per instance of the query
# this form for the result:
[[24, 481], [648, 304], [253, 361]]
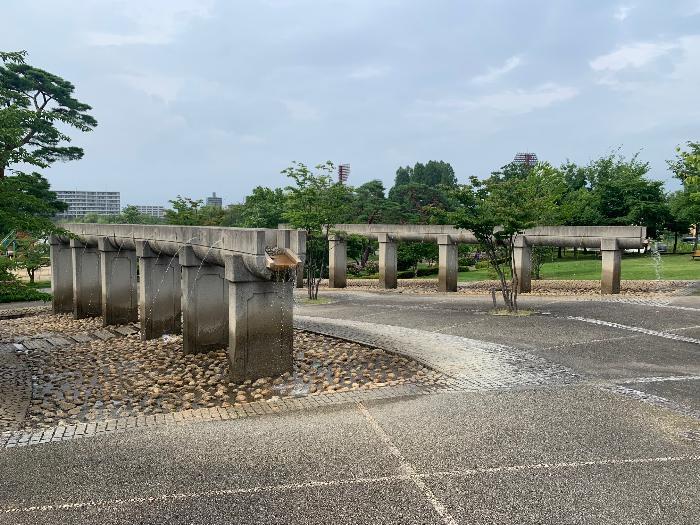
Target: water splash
[[656, 256], [165, 273]]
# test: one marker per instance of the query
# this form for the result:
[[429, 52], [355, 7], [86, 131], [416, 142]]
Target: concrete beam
[[564, 236], [522, 255], [387, 261], [260, 324], [337, 261], [159, 292], [118, 269], [87, 289], [61, 275], [448, 264], [204, 304], [611, 256]]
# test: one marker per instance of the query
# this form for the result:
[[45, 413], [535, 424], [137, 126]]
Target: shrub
[[14, 290]]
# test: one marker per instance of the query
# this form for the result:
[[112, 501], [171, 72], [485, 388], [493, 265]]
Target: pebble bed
[[126, 376], [542, 287], [40, 321]]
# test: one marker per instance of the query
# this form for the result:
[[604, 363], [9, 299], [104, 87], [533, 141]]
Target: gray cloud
[[197, 96]]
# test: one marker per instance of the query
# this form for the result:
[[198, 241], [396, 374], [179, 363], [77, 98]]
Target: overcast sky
[[195, 96]]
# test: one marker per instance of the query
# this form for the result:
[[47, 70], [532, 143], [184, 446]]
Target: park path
[[476, 365]]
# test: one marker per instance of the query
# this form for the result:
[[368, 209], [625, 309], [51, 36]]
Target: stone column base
[[87, 290]]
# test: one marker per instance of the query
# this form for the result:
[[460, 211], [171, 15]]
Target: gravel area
[[126, 376], [43, 322], [542, 287]]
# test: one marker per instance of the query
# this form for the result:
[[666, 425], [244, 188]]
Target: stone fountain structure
[[219, 287], [610, 240]]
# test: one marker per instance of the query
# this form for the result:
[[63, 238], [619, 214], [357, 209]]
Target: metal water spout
[[281, 259]]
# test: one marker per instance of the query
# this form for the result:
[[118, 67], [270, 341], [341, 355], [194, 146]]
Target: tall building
[[81, 203], [154, 211], [529, 159], [215, 201]]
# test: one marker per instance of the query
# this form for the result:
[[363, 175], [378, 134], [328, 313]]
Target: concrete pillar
[[387, 260], [298, 246], [204, 304], [448, 264], [522, 255], [87, 292], [159, 293], [61, 275], [260, 324], [337, 261], [118, 281], [611, 257]]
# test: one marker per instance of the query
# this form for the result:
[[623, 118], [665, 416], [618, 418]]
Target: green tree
[[409, 254], [681, 215], [370, 206], [31, 255], [403, 176], [263, 208], [686, 168], [502, 206], [35, 106], [27, 204], [434, 173], [315, 203], [185, 211]]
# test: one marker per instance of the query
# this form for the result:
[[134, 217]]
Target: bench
[[696, 253]]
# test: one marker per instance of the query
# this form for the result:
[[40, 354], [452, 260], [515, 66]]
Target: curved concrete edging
[[475, 365]]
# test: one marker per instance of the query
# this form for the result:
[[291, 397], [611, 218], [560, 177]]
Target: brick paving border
[[61, 433]]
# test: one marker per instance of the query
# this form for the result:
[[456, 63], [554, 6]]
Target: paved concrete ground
[[620, 444]]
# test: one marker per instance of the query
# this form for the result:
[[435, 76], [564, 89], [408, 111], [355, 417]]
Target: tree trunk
[[365, 256], [31, 275], [695, 243], [559, 253], [675, 241]]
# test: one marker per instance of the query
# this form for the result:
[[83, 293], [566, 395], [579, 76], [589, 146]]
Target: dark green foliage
[[190, 212], [263, 208], [613, 191], [410, 254], [27, 204], [12, 289], [34, 106], [685, 207], [433, 173]]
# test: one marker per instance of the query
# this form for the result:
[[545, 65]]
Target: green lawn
[[588, 267]]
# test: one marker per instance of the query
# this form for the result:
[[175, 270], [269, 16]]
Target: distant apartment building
[[81, 203], [215, 201], [154, 211]]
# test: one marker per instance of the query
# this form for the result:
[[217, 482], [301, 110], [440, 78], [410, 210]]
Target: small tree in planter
[[315, 203], [497, 209]]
